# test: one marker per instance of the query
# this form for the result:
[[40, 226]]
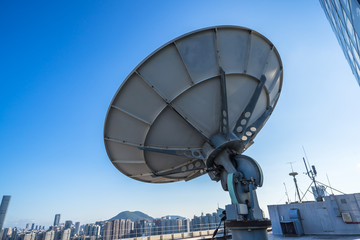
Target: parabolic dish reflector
[[170, 116]]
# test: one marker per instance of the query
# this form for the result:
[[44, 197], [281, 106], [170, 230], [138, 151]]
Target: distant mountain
[[133, 216], [173, 217]]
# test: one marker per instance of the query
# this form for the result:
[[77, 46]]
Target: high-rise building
[[92, 230], [101, 224], [186, 224], [122, 228], [179, 226], [49, 235], [65, 235], [14, 234], [129, 226], [28, 236], [158, 228], [196, 223], [39, 235], [116, 229], [77, 228], [108, 231], [344, 18], [68, 224], [57, 220], [142, 227], [3, 209], [57, 234], [6, 234], [95, 230]]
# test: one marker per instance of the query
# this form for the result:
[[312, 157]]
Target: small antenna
[[286, 192], [307, 170], [307, 159], [332, 192], [292, 170]]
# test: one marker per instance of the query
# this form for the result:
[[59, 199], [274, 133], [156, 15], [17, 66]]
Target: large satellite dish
[[193, 107], [192, 97]]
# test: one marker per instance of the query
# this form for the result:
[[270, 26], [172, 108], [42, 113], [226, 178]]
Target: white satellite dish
[[219, 82], [193, 107]]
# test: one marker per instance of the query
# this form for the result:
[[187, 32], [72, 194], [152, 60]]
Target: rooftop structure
[[336, 215], [344, 18]]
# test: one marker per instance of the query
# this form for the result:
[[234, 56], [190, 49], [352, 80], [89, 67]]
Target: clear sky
[[62, 62]]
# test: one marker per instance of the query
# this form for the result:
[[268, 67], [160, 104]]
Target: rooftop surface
[[338, 237]]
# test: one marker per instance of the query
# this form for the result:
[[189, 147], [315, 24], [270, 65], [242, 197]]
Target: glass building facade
[[344, 18]]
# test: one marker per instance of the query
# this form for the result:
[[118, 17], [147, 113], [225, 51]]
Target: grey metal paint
[[172, 101], [255, 234], [321, 217]]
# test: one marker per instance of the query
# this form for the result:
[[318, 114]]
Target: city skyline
[[61, 64], [112, 229]]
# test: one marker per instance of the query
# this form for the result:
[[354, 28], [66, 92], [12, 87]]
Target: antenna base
[[253, 229], [240, 175]]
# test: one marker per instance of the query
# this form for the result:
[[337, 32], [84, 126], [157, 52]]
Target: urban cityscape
[[107, 230]]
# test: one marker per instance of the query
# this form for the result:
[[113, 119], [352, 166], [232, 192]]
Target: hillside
[[133, 216]]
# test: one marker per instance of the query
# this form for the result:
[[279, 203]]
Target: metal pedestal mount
[[240, 175]]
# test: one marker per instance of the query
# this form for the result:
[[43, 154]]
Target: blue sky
[[62, 62]]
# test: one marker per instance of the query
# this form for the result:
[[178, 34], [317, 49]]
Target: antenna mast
[[312, 174], [293, 174]]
